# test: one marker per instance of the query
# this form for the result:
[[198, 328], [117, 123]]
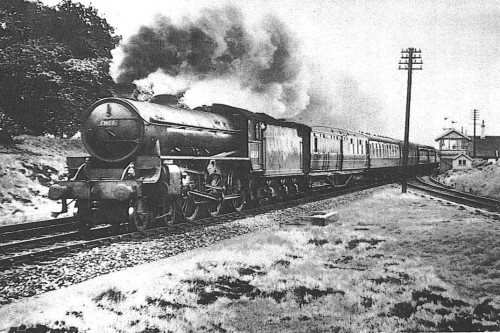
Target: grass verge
[[393, 262]]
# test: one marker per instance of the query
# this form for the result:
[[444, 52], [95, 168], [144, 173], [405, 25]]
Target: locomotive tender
[[159, 162]]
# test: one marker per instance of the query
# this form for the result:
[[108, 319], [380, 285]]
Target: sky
[[351, 49]]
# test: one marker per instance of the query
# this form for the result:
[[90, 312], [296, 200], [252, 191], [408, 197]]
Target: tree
[[31, 77], [53, 64], [86, 79], [83, 31]]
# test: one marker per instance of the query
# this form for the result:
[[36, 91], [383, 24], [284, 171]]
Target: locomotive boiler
[[117, 130]]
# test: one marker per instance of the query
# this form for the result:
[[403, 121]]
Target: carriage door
[[255, 145]]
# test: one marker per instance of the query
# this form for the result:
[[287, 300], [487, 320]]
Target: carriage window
[[251, 131], [258, 131]]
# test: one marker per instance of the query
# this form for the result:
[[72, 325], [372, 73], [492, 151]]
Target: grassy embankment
[[27, 169], [483, 179]]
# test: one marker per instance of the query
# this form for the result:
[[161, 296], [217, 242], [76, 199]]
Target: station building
[[458, 150]]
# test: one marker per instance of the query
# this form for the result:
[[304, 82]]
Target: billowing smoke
[[340, 102], [220, 58]]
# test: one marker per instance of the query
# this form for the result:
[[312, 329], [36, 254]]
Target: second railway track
[[427, 184], [33, 229]]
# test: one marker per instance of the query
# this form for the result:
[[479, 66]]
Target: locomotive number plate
[[108, 123]]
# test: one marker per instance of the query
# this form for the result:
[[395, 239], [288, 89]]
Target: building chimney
[[483, 127]]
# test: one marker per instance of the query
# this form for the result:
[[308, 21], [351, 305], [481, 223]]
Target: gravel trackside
[[394, 262]]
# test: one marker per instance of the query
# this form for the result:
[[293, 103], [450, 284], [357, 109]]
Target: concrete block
[[316, 218]]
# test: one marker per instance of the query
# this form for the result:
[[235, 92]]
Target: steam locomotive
[[157, 162]]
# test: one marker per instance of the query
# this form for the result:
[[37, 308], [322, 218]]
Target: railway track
[[433, 187], [40, 249], [34, 229]]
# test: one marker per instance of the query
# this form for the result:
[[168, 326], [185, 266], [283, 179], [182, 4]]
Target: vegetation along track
[[39, 249], [434, 188]]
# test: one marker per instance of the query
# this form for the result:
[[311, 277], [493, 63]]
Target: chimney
[[125, 90], [165, 99], [483, 127]]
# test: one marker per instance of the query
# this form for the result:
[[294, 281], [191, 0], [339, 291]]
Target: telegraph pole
[[409, 57], [475, 117]]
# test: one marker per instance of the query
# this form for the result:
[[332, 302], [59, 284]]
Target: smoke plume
[[260, 62], [340, 102], [219, 58]]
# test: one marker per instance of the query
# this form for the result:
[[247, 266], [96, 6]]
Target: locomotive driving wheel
[[214, 209], [189, 208], [237, 188]]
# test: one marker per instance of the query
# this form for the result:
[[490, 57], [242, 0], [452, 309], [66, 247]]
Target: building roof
[[451, 131], [462, 155], [489, 147]]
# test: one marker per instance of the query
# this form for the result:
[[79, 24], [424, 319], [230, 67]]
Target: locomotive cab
[[256, 144]]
